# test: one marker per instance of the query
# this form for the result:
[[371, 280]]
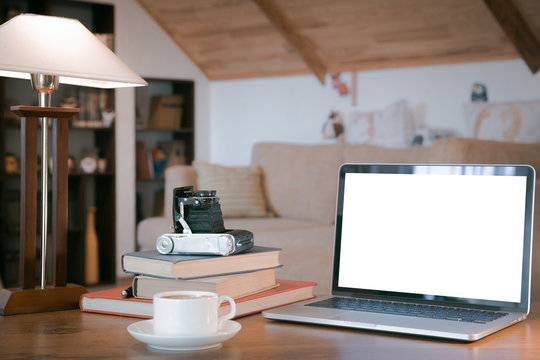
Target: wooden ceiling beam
[[303, 45], [515, 25]]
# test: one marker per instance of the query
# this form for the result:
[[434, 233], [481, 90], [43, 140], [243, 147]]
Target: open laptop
[[435, 250]]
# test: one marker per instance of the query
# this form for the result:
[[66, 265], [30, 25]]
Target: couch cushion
[[472, 151], [300, 181], [239, 189], [517, 121], [376, 154], [391, 127]]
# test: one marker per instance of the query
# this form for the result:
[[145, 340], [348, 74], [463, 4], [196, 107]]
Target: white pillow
[[239, 189], [391, 127], [517, 121]]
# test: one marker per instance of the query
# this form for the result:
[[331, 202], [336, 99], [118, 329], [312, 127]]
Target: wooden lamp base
[[60, 296], [22, 301]]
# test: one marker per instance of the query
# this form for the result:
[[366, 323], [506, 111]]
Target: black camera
[[199, 228], [196, 211]]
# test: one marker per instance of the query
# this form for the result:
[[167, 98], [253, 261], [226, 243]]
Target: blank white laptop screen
[[436, 234]]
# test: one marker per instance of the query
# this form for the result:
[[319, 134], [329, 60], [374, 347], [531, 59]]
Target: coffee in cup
[[189, 313]]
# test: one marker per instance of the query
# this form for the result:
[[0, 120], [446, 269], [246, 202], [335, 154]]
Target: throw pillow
[[391, 127], [503, 121], [239, 189]]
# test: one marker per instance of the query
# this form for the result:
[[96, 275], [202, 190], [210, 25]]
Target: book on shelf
[[110, 301], [166, 112], [175, 151], [151, 163], [235, 285], [152, 263], [142, 168], [158, 203], [159, 160]]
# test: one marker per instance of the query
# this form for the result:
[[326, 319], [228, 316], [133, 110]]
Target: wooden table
[[73, 334]]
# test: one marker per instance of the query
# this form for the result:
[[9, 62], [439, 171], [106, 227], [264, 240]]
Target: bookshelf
[[165, 133], [87, 134]]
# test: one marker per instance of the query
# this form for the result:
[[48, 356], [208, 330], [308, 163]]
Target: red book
[[111, 302]]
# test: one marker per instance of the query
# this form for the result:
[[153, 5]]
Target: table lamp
[[48, 51]]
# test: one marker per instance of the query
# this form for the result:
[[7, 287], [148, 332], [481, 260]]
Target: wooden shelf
[[178, 131], [71, 128], [71, 175]]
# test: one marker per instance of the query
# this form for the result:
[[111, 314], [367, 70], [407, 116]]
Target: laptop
[[435, 250]]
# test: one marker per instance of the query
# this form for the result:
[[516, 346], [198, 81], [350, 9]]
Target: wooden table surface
[[73, 335]]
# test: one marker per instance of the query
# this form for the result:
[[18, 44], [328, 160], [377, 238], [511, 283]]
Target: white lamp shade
[[36, 44]]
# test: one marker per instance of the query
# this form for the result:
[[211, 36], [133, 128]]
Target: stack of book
[[248, 277]]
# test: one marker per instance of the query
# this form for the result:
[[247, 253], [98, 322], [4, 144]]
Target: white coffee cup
[[189, 313]]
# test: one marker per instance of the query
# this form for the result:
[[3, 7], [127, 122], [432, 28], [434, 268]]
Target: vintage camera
[[227, 243], [196, 211], [199, 227]]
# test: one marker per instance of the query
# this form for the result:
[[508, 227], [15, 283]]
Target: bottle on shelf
[[91, 249]]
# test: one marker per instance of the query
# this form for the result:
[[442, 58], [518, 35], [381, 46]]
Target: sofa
[[299, 183]]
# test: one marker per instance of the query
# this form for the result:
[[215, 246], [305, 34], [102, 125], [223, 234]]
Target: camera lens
[[205, 193]]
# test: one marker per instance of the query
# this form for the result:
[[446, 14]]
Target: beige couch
[[300, 183]]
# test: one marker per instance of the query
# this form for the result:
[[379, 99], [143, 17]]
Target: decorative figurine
[[479, 92], [333, 127], [11, 164]]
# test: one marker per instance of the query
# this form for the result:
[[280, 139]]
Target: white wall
[[147, 49], [294, 108]]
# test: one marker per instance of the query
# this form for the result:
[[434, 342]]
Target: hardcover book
[[111, 302], [235, 286], [152, 263]]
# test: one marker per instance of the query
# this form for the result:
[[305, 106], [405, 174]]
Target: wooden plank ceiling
[[231, 39]]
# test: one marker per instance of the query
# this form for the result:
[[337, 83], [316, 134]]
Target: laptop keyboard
[[408, 309]]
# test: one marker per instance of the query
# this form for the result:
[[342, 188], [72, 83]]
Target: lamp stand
[[60, 296], [45, 85]]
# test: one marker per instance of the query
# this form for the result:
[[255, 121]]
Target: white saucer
[[144, 332]]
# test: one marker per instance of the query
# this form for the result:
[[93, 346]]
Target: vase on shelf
[[91, 249]]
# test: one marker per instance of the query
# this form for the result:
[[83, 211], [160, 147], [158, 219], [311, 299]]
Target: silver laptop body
[[451, 240]]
